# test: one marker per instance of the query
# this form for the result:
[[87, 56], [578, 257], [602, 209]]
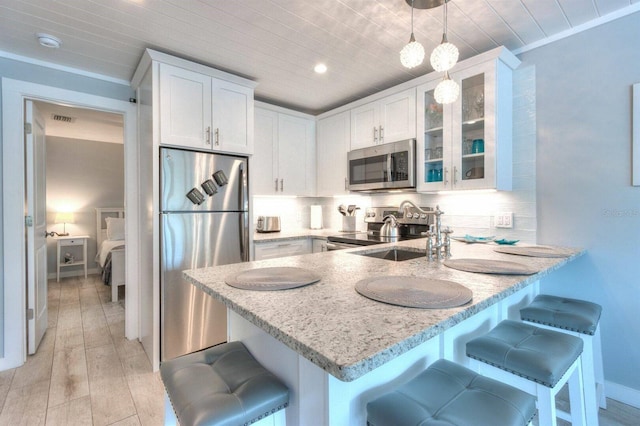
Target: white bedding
[[105, 249]]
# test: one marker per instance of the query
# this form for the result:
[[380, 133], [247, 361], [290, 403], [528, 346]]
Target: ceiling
[[278, 42], [81, 123]]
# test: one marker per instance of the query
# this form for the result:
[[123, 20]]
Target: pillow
[[115, 228]]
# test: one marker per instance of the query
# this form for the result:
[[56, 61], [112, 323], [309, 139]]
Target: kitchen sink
[[394, 254]]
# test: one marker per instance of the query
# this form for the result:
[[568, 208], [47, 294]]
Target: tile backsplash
[[467, 212]]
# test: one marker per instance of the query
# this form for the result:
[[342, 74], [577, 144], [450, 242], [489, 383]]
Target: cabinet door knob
[[208, 139]]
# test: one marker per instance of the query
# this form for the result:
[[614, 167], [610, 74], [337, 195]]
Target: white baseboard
[[78, 273], [622, 393]]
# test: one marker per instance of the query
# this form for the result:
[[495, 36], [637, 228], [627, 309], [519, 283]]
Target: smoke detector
[[47, 40]]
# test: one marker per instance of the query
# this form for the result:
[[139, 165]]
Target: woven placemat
[[534, 251], [489, 266], [414, 292], [275, 278]]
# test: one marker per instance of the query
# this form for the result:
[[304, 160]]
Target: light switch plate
[[504, 220]]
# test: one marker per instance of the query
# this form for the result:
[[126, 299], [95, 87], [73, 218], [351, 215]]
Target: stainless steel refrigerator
[[205, 221]]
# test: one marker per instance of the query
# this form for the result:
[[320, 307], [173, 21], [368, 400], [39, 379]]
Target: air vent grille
[[62, 118]]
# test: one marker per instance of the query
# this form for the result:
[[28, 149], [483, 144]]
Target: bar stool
[[222, 385], [447, 393], [579, 318], [535, 360]]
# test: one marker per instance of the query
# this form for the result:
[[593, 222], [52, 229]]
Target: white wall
[[584, 86], [81, 175]]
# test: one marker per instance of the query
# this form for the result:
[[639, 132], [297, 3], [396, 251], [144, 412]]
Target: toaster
[[268, 224]]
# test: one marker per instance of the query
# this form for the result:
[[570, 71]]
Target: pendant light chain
[[412, 54]]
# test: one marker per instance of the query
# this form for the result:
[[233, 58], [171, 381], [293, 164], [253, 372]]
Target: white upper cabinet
[[284, 156], [467, 144], [185, 107], [203, 112], [390, 119], [264, 163], [332, 145]]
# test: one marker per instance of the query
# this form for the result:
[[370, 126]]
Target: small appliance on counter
[[315, 221], [268, 224]]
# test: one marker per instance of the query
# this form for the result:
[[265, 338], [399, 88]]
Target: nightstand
[[71, 241]]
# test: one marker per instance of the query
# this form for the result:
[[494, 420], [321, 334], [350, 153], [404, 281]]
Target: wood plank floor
[[87, 373]]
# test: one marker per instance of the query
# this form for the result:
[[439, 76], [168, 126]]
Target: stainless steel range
[[411, 223]]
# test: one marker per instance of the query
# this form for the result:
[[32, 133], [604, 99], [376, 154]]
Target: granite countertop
[[346, 334]]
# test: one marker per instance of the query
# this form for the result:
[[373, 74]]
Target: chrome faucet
[[442, 247]]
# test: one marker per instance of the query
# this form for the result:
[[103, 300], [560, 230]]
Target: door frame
[[14, 93]]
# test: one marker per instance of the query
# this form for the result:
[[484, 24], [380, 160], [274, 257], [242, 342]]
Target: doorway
[[14, 93]]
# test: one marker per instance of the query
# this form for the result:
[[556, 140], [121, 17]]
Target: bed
[[110, 251]]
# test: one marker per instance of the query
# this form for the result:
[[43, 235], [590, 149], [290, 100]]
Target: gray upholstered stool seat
[[580, 318], [536, 360], [449, 394], [222, 385], [540, 355], [561, 312]]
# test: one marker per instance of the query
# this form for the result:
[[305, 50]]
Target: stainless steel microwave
[[383, 167]]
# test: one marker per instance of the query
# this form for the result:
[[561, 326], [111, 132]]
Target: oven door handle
[[331, 246], [389, 168]]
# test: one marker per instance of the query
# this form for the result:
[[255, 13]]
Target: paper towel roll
[[316, 217]]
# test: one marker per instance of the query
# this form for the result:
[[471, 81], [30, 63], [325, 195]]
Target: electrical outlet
[[504, 220]]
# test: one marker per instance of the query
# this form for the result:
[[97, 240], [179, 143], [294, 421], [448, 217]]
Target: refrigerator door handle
[[244, 203]]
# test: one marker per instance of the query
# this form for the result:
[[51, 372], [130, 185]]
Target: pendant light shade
[[447, 90], [445, 55], [412, 54]]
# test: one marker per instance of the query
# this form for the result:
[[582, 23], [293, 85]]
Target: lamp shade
[[444, 56], [64, 217], [412, 54]]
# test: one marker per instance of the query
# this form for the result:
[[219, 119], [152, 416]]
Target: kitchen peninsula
[[336, 349]]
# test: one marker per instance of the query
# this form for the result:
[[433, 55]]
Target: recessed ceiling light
[[320, 68], [47, 40]]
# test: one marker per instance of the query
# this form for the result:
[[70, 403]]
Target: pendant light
[[443, 58], [447, 90], [412, 54], [445, 55]]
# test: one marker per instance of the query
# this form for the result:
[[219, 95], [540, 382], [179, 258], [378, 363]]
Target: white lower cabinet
[[272, 250], [318, 246]]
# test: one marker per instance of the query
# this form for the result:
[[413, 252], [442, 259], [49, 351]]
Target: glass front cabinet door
[[467, 144]]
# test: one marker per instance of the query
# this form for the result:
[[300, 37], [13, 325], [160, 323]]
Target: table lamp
[[64, 218]]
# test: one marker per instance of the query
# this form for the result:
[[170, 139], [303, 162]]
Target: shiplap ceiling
[[278, 42]]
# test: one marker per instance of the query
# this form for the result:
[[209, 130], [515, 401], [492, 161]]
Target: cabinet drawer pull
[[208, 140], [217, 136]]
